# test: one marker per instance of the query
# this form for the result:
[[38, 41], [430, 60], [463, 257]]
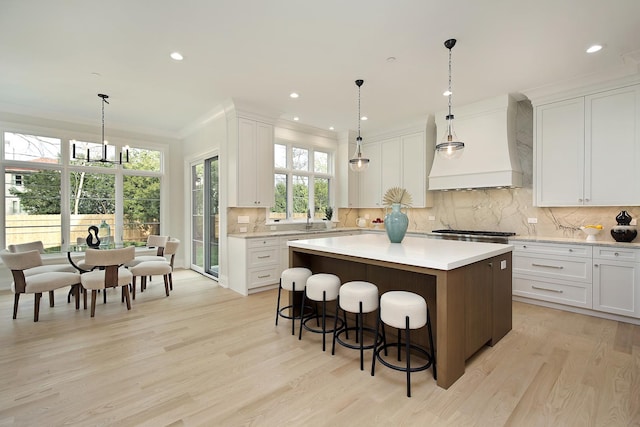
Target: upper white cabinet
[[371, 179], [588, 150], [251, 163], [402, 160]]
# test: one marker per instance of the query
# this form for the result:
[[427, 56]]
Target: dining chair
[[153, 241], [151, 268], [36, 283], [39, 246], [110, 273]]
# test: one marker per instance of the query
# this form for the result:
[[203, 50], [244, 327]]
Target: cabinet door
[[612, 147], [264, 165], [616, 287], [560, 153], [414, 167], [247, 159], [370, 180], [391, 152]]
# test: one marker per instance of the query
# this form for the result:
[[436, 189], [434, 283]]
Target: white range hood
[[489, 159]]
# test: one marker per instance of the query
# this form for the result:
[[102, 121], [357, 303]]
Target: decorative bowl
[[624, 233], [591, 233]]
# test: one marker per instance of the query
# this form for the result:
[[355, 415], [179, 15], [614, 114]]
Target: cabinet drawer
[[558, 267], [259, 243], [562, 292], [261, 257], [263, 276], [617, 254], [552, 249]]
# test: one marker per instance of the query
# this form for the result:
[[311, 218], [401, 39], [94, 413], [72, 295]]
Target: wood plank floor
[[207, 356]]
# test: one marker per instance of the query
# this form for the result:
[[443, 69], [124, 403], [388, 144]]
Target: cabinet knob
[[596, 265], [580, 200], [586, 200], [616, 254], [570, 250]]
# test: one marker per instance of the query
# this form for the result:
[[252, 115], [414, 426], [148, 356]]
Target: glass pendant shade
[[450, 147], [358, 163]]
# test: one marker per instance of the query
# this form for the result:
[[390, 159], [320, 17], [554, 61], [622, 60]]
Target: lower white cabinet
[[555, 273], [600, 278], [254, 264], [616, 281]]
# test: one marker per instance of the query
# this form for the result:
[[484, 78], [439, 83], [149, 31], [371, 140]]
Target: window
[[37, 176], [302, 181]]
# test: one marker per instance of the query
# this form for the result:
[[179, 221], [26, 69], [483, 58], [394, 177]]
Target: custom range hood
[[490, 158]]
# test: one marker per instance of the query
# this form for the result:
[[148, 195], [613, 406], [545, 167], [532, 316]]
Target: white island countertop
[[438, 254]]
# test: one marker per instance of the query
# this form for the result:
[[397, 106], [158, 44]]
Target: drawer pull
[[264, 256], [559, 267], [264, 277], [616, 254], [559, 291]]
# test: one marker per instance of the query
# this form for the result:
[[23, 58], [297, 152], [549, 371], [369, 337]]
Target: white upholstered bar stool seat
[[294, 280], [406, 311], [357, 297], [321, 287]]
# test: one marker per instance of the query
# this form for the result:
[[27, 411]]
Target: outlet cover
[[503, 264], [532, 220], [243, 219], [432, 218], [243, 229]]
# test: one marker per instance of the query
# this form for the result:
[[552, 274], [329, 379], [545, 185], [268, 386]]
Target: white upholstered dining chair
[[160, 267], [110, 273], [36, 283]]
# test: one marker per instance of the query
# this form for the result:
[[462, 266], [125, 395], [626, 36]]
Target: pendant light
[[104, 159], [359, 163], [450, 147]]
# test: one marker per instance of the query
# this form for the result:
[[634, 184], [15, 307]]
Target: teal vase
[[396, 223]]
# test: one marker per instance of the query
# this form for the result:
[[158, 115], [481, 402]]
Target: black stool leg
[[408, 344], [361, 333], [375, 347], [324, 319], [433, 349], [304, 296], [278, 306], [335, 324], [293, 311]]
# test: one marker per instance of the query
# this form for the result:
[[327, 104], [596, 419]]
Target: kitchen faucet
[[308, 218]]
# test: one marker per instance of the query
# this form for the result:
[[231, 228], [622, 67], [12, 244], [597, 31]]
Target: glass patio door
[[205, 218]]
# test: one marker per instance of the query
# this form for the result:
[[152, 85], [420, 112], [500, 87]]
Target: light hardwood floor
[[207, 356]]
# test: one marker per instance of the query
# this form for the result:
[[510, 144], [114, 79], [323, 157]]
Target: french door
[[205, 217]]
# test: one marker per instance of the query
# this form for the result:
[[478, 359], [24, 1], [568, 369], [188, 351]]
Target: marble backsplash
[[486, 209]]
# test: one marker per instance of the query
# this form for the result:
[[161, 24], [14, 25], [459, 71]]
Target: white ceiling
[[258, 51]]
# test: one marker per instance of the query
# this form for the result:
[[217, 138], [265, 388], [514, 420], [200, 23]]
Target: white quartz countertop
[[416, 251]]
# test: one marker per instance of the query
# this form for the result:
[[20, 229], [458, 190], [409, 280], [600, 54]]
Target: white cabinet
[[251, 164], [597, 278], [616, 281], [587, 148], [553, 272], [399, 161], [370, 180], [256, 264]]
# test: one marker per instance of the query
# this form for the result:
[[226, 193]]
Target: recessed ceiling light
[[447, 93], [364, 118], [296, 118], [330, 127], [294, 95], [594, 48], [177, 56]]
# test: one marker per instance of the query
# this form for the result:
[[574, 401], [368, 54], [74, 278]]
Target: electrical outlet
[[532, 220], [243, 229], [274, 228], [432, 218], [503, 264], [243, 219]]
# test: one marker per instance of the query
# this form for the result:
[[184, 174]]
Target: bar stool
[[404, 310], [295, 280], [321, 287], [357, 297]]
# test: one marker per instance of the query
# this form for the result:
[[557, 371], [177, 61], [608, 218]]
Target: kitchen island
[[467, 285]]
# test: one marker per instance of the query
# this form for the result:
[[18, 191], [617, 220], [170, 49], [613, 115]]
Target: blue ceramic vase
[[396, 223]]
